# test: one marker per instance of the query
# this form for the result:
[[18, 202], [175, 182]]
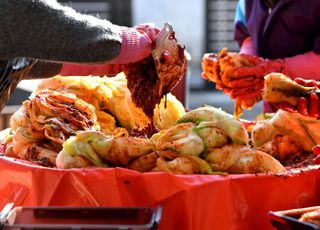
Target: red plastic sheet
[[188, 201]]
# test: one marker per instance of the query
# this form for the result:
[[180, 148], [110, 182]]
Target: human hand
[[150, 29], [226, 69], [262, 67], [137, 43], [245, 84], [308, 105], [249, 80], [245, 87], [307, 83]]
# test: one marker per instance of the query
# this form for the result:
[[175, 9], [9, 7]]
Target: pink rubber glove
[[306, 66], [248, 47], [309, 105], [249, 80], [136, 45], [265, 67]]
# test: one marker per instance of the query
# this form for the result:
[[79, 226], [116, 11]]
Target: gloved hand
[[137, 44], [249, 80], [245, 87], [308, 106], [149, 29], [316, 152], [307, 83], [262, 68]]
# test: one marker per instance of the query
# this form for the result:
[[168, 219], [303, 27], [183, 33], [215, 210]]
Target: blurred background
[[202, 25]]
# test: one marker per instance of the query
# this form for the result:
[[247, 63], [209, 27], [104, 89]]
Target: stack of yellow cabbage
[[112, 101]]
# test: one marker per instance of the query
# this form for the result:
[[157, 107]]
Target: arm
[[46, 30], [248, 47], [240, 29], [39, 37], [305, 65], [61, 41]]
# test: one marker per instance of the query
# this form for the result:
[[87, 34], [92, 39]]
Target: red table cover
[[188, 201]]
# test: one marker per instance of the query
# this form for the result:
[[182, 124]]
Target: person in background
[[285, 33], [41, 39]]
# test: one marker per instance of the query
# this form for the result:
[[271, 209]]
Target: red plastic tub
[[188, 201]]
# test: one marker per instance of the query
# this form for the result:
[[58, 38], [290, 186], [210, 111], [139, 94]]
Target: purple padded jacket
[[289, 28]]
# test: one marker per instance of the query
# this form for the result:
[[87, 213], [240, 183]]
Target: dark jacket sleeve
[[46, 30]]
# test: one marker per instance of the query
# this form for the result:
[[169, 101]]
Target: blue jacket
[[291, 27]]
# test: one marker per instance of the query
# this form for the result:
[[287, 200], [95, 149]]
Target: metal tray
[[289, 219], [81, 218]]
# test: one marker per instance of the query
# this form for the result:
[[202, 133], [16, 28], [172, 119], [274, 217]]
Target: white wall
[[186, 16]]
